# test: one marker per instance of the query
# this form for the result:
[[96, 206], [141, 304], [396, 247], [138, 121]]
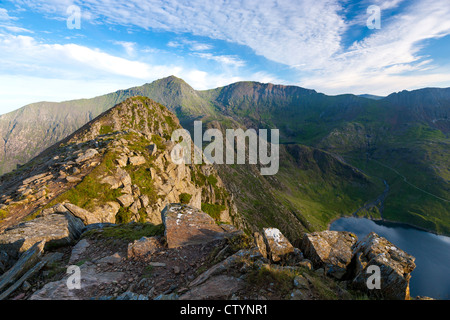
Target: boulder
[[86, 216], [71, 179], [277, 245], [119, 179], [122, 161], [185, 225], [126, 200], [112, 181], [123, 176], [144, 201], [394, 264], [53, 229], [106, 213], [136, 160], [331, 250], [143, 247]]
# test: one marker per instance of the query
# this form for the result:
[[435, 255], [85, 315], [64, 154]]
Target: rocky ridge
[[109, 201], [118, 166]]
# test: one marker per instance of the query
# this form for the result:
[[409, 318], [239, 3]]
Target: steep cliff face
[[116, 168]]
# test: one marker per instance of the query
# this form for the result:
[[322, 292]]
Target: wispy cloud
[[308, 30], [4, 16], [129, 47], [222, 59], [390, 59], [60, 72], [306, 36], [190, 45]]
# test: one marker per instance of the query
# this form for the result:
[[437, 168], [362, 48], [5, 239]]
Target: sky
[[60, 50]]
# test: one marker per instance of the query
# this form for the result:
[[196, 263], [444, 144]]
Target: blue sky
[[324, 45]]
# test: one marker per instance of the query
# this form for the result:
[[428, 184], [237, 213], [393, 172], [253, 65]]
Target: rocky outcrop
[[52, 229], [394, 264], [331, 250], [130, 163], [185, 225], [232, 264]]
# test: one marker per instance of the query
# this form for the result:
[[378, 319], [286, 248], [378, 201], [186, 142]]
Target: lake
[[431, 277]]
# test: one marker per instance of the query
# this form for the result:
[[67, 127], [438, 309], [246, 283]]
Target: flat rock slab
[[90, 280], [53, 229], [89, 154], [78, 250], [185, 225]]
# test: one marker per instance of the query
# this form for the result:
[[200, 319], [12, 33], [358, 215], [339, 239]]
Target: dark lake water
[[431, 277]]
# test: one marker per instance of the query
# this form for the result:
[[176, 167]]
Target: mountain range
[[107, 212], [340, 155]]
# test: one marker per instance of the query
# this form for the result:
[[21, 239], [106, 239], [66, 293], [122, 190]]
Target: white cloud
[[129, 47], [4, 16], [15, 29], [305, 35], [55, 72], [289, 32], [222, 59], [190, 44]]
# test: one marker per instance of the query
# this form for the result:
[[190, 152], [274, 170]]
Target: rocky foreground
[[189, 257]]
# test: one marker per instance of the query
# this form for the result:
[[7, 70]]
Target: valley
[[335, 151]]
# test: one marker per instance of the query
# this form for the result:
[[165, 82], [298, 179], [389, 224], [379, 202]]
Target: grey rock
[[86, 216], [136, 160], [78, 250], [53, 229], [88, 154], [394, 264], [27, 260], [171, 296], [125, 200], [91, 279], [143, 247], [331, 250], [185, 225]]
